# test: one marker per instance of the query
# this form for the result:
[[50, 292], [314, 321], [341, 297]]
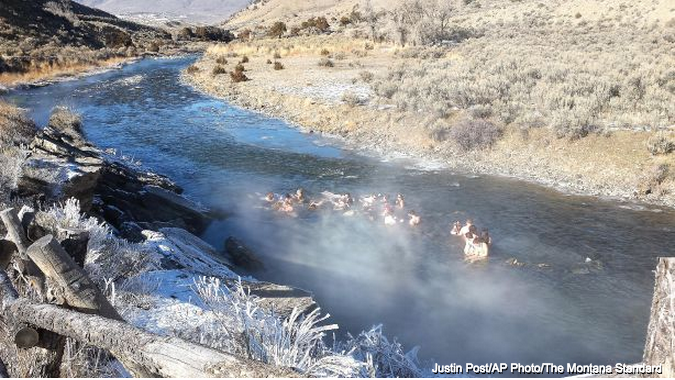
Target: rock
[[282, 299], [241, 255], [63, 166]]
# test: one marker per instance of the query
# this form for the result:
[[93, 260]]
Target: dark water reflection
[[412, 281]]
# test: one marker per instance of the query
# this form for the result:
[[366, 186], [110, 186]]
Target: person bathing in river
[[414, 218], [467, 227], [400, 202], [300, 195], [388, 214], [456, 228], [485, 237]]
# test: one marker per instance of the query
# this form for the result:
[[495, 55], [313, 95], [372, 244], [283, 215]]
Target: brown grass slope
[[42, 36]]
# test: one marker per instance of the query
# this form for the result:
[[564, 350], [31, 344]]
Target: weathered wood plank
[[660, 343], [78, 290], [15, 231]]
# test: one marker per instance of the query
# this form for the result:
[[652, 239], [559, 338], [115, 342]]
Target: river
[[411, 280]]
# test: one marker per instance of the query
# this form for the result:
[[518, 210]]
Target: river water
[[412, 281]]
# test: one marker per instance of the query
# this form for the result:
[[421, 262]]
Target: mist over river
[[556, 308]]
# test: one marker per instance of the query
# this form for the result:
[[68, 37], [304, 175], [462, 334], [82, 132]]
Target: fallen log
[[75, 286], [660, 343], [160, 355], [15, 231], [42, 359]]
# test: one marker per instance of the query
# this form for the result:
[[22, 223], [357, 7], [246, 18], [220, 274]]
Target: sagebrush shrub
[[278, 66], [475, 134], [325, 62], [660, 144], [244, 59], [218, 70], [238, 76], [192, 69], [15, 127], [66, 121], [221, 60]]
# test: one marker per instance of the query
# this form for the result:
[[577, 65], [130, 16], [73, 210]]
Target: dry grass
[[40, 71]]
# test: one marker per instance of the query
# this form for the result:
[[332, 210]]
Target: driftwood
[[15, 231], [163, 356], [77, 290], [34, 360], [660, 343]]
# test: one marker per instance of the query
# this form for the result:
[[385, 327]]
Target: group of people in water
[[476, 245], [377, 207], [373, 206]]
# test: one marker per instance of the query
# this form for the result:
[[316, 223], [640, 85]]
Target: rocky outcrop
[[62, 166]]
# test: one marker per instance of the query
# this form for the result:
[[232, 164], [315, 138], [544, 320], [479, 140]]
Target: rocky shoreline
[[140, 207], [597, 165]]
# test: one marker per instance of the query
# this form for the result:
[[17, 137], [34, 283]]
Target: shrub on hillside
[[244, 59], [366, 76], [15, 127], [192, 69], [278, 66], [325, 62], [351, 99], [318, 23], [652, 181], [218, 70], [660, 144], [475, 134], [238, 75], [66, 121], [221, 60], [276, 55], [325, 52], [277, 29]]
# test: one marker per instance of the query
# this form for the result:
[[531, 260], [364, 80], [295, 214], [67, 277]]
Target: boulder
[[241, 255]]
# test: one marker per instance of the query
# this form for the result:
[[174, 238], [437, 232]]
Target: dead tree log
[[44, 358], [77, 290], [15, 231], [660, 344], [162, 356]]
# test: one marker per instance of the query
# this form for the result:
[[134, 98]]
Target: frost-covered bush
[[475, 134], [295, 342], [108, 257], [298, 340], [387, 358]]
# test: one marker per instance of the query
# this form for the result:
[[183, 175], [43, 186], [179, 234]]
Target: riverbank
[[137, 239], [333, 84]]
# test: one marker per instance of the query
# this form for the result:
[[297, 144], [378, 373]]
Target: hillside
[[41, 36], [576, 95], [206, 11], [267, 11]]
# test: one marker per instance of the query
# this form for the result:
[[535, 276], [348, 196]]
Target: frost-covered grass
[[108, 257]]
